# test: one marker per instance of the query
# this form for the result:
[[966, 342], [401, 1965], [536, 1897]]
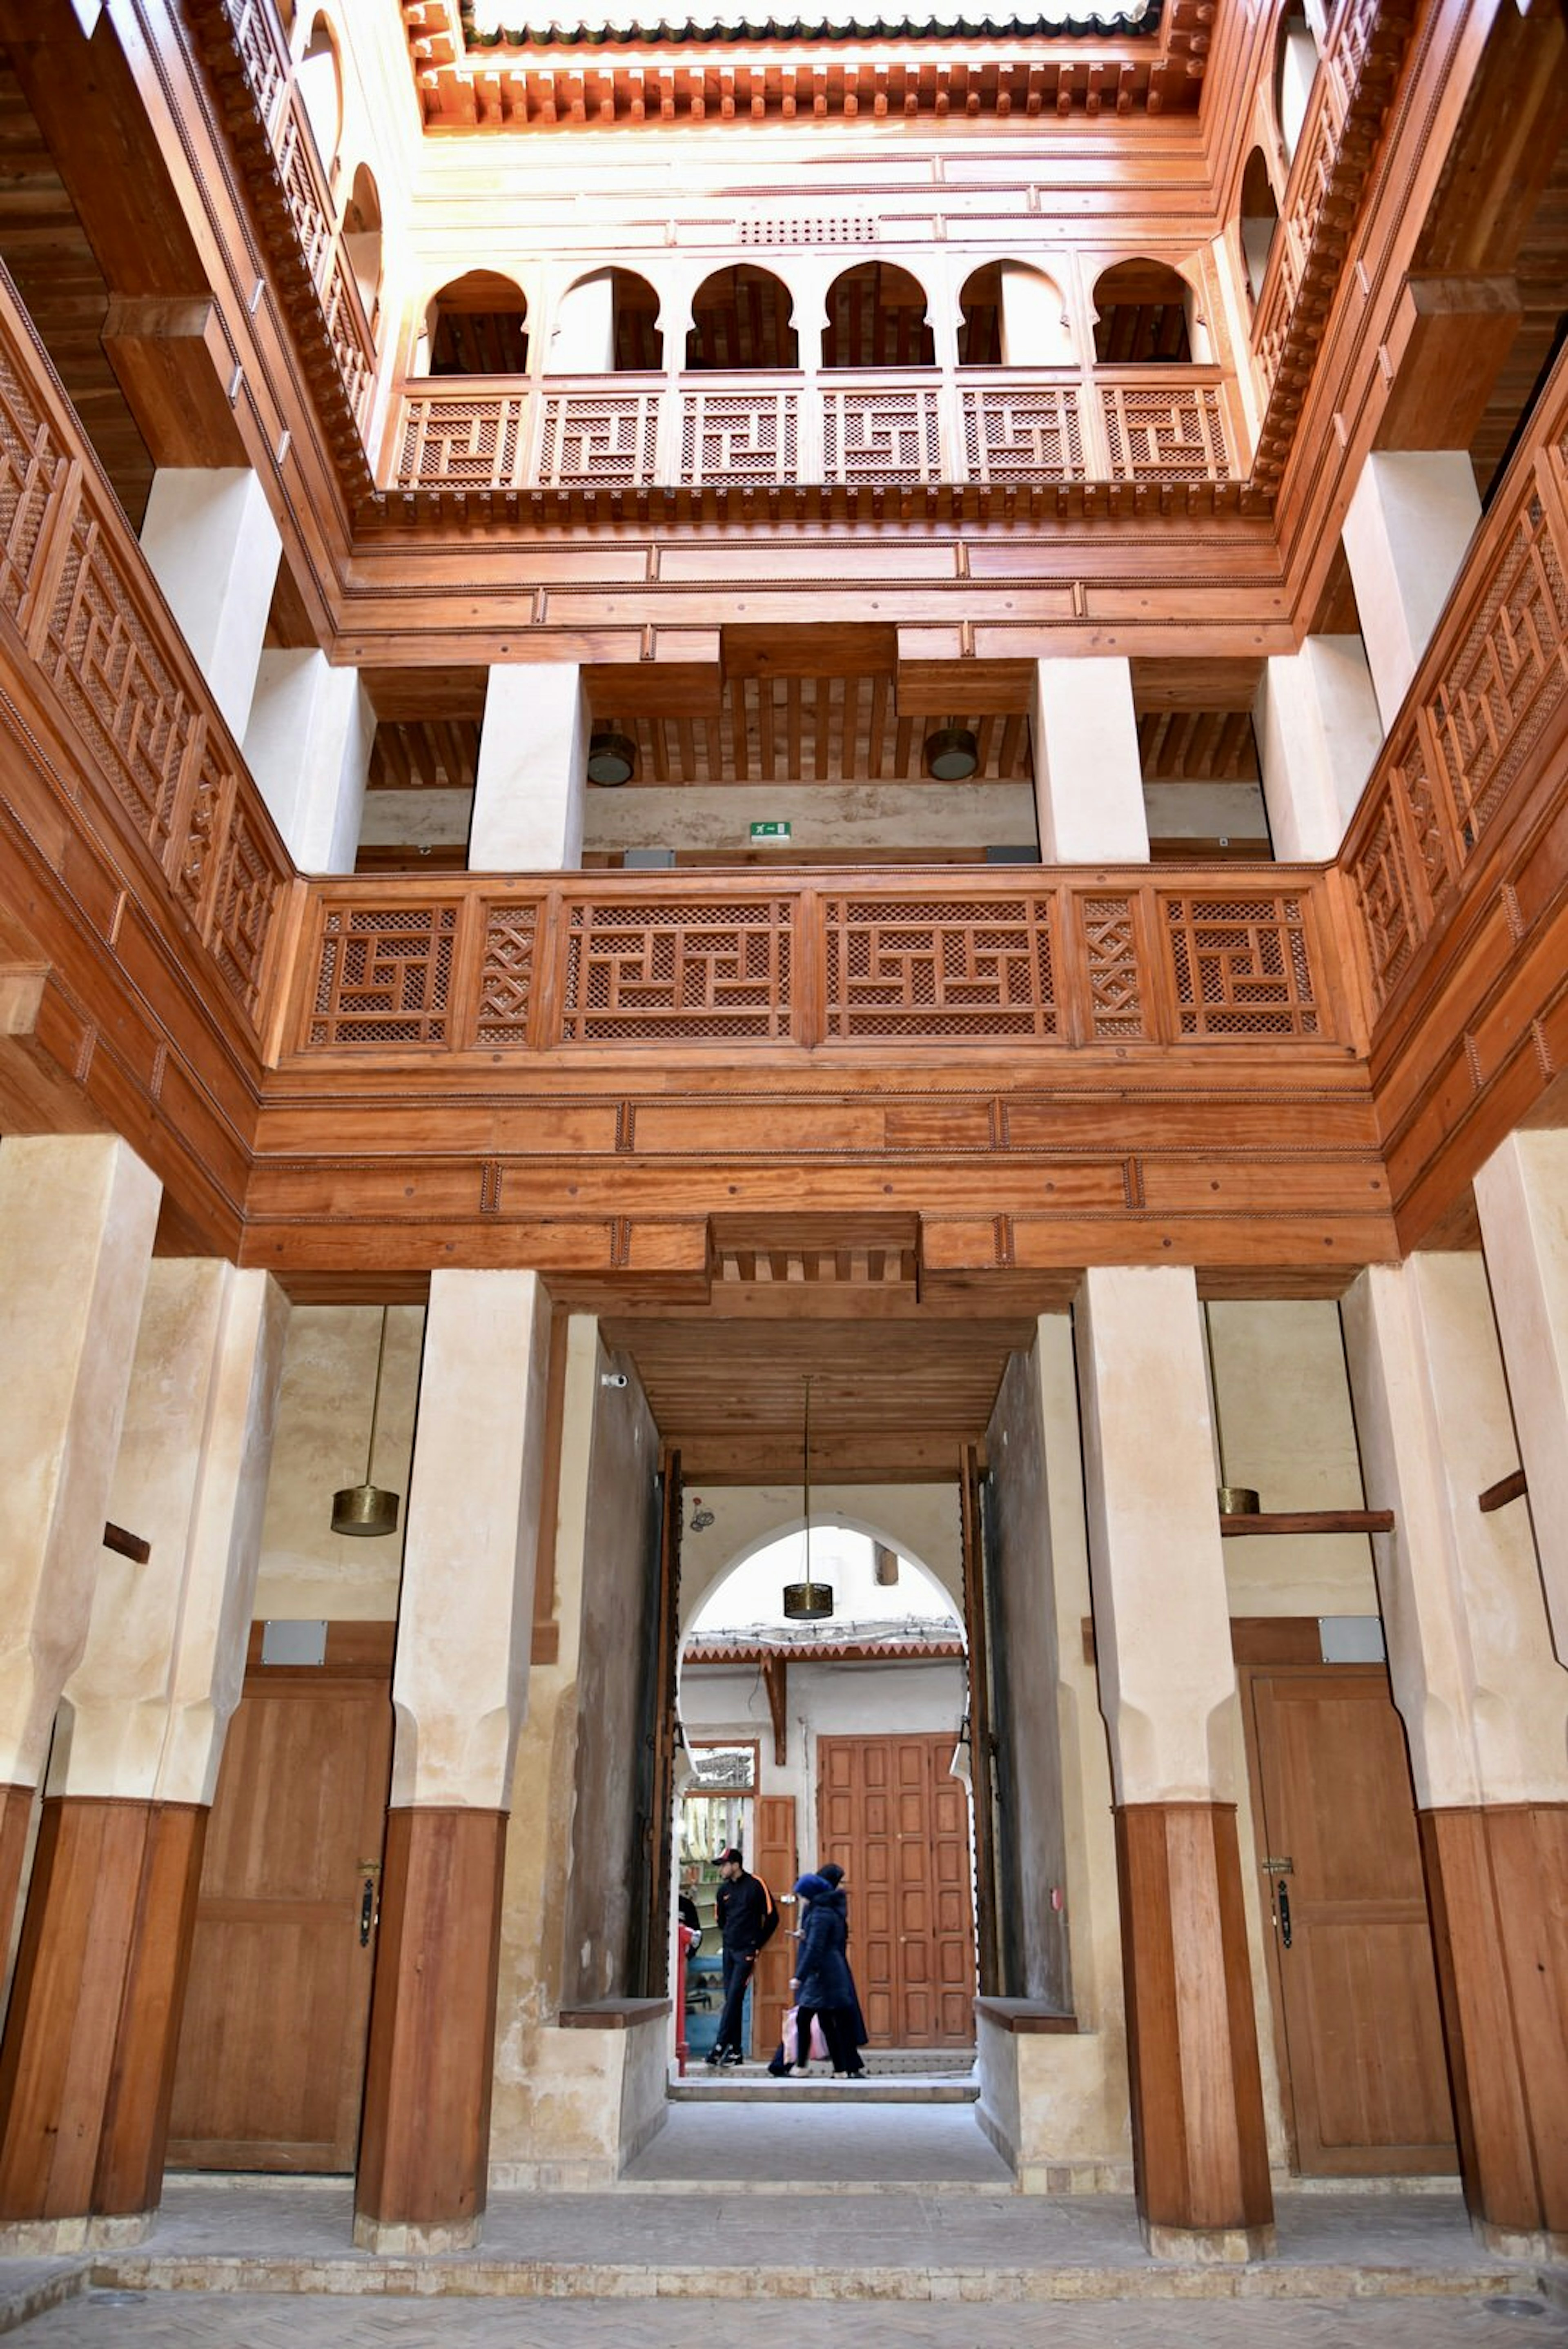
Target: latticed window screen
[[1166, 433], [244, 893], [461, 443], [889, 436], [1020, 434], [1116, 972], [384, 977], [732, 439], [690, 973], [932, 968], [1240, 966], [598, 440], [1491, 710], [1383, 891], [506, 978]]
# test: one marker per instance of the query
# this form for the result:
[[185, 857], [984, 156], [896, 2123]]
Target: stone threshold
[[30, 2288], [739, 2087], [476, 2277]]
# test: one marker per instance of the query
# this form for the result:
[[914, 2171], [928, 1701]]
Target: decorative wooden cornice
[[240, 46], [1330, 182], [694, 71]]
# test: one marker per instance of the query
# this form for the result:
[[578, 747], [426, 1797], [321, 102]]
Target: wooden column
[[425, 2144], [15, 1809], [1198, 2143], [1497, 1880], [87, 2064]]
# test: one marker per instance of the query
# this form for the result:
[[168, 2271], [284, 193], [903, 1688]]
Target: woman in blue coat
[[824, 1990]]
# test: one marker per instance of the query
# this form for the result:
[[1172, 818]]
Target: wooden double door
[[896, 1821], [270, 2067], [1351, 1965]]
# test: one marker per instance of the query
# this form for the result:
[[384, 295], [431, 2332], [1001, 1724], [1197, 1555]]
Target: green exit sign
[[770, 832]]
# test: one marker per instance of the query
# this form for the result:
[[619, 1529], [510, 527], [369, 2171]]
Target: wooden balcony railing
[[1481, 722], [244, 48], [76, 589], [856, 438], [719, 962], [1329, 175]]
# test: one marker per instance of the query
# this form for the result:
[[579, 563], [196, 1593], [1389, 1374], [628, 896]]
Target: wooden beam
[[1310, 1521], [1444, 353], [130, 1546], [1508, 1488], [775, 1681]]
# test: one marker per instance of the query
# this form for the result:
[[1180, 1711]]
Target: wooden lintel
[[1446, 345], [775, 1681], [176, 367], [1311, 1521], [130, 1546], [1511, 1488]]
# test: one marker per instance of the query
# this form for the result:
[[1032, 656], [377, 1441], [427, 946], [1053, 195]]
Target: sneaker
[[731, 2056], [714, 2057]]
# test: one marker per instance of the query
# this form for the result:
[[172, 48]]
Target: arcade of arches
[[684, 717]]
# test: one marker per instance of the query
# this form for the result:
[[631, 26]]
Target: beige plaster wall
[[919, 1520], [308, 1572], [1282, 1402]]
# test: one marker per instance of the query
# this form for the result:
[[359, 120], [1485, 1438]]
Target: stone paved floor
[[233, 2321], [839, 2144]]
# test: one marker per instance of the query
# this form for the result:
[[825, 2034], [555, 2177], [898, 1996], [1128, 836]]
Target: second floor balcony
[[1028, 440]]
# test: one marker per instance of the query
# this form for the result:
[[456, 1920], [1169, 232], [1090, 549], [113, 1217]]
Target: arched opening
[[1259, 219], [319, 80], [607, 324], [362, 239], [980, 317], [877, 318], [1295, 69], [792, 1730], [476, 325], [1142, 315], [741, 319]]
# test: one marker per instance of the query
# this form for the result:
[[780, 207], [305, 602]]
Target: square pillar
[[77, 1220], [87, 2064], [1485, 1707], [1318, 736], [459, 1691], [1412, 515], [1167, 1690], [308, 746], [1088, 776], [214, 547], [1521, 1197], [533, 770]]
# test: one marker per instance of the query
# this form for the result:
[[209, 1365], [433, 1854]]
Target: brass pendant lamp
[[368, 1510], [807, 1601]]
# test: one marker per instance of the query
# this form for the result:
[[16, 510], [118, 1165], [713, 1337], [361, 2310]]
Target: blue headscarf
[[811, 1887]]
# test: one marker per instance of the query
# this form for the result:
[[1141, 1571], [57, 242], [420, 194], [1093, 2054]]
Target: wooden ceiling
[[46, 249], [891, 1401]]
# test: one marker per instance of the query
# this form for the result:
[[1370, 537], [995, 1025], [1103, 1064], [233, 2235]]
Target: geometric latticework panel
[[244, 890], [891, 434], [384, 977], [1507, 679], [473, 440], [1025, 433], [31, 472], [689, 973], [1240, 966], [925, 968], [1165, 432], [507, 974], [730, 439], [598, 440], [1383, 892], [1115, 978]]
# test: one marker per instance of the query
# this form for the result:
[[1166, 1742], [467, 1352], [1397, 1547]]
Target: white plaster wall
[[308, 1571], [1283, 1411], [921, 1521]]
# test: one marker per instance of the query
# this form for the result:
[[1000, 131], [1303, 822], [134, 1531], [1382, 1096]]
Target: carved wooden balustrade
[[1017, 437], [1487, 710], [87, 618], [488, 967], [245, 51], [1328, 183]]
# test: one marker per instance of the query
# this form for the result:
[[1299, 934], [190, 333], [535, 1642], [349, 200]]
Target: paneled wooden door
[[1354, 1977], [271, 2066], [774, 1861], [897, 1824]]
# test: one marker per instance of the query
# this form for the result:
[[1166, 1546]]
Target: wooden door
[[271, 2066], [897, 1824], [774, 1861], [1354, 1977]]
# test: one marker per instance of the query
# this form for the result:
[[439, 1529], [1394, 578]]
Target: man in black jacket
[[746, 1916]]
